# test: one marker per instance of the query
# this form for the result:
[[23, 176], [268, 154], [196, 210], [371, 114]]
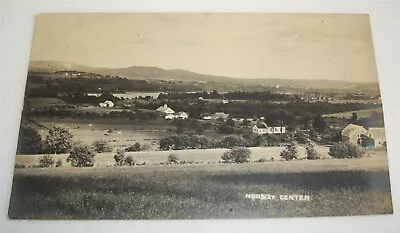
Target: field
[[157, 157], [335, 187], [360, 113]]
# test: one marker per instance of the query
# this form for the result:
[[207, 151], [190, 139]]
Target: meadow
[[189, 155], [335, 187], [364, 113]]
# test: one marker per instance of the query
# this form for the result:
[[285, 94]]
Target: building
[[220, 115], [107, 104], [165, 109], [182, 115], [377, 136], [169, 117], [179, 115], [353, 134], [262, 128], [207, 117]]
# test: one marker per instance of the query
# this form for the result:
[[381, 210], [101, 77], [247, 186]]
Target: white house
[[207, 117], [165, 109], [219, 115], [107, 104], [262, 128], [182, 115], [169, 117]]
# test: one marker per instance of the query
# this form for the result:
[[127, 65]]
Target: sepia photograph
[[201, 116]]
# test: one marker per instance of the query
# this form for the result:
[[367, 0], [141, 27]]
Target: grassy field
[[335, 187], [360, 113], [157, 157]]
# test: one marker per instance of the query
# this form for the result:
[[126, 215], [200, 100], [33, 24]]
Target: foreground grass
[[196, 192]]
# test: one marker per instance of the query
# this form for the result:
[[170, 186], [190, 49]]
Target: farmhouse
[[353, 133], [220, 115], [358, 135], [377, 136], [207, 117], [182, 115], [165, 109], [179, 115], [107, 104], [262, 128]]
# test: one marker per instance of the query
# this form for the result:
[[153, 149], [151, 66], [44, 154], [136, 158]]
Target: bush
[[101, 146], [345, 150], [290, 151], [119, 158], [19, 165], [145, 147], [261, 160], [172, 158], [130, 161], [59, 163], [236, 155], [46, 161], [134, 147], [81, 156], [312, 154]]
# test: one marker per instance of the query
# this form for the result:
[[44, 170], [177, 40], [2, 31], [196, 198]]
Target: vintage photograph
[[201, 116]]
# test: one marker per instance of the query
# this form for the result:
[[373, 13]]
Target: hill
[[143, 72]]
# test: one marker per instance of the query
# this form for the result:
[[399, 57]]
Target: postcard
[[201, 116]]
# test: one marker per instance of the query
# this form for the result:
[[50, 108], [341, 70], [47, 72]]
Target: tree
[[354, 117], [81, 156], [46, 161], [312, 154], [58, 141], [319, 123], [230, 122], [236, 155], [134, 147], [345, 150], [101, 146], [120, 157], [30, 141], [290, 151], [226, 129], [172, 158]]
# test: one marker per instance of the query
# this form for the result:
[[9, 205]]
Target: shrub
[[261, 160], [312, 154], [46, 161], [130, 161], [236, 155], [145, 147], [345, 150], [290, 151], [119, 158], [19, 165], [59, 163], [101, 146], [172, 158], [134, 147], [81, 156]]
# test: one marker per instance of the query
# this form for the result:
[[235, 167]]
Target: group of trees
[[58, 140], [236, 95]]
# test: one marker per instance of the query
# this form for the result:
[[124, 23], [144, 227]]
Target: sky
[[289, 46]]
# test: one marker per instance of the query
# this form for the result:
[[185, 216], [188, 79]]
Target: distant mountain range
[[142, 72]]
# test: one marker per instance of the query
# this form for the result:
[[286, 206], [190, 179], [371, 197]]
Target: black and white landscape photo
[[201, 116]]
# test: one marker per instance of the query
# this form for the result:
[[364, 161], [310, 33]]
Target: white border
[[16, 27]]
